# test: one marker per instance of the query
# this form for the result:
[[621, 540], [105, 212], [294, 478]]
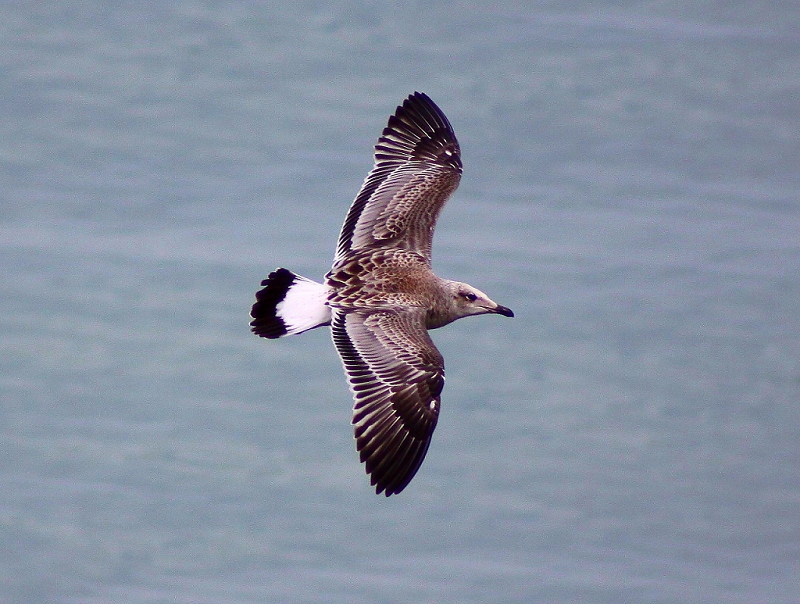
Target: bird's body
[[381, 295]]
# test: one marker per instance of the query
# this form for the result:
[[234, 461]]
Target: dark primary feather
[[396, 375], [417, 167]]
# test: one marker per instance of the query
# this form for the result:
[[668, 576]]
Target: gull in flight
[[381, 296]]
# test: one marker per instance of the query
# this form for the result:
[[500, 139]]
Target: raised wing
[[417, 167], [396, 375]]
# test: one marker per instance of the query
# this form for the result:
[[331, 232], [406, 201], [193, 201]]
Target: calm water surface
[[630, 190]]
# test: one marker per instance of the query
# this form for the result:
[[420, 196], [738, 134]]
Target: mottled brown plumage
[[381, 296]]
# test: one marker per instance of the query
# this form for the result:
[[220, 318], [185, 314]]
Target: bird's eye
[[470, 296]]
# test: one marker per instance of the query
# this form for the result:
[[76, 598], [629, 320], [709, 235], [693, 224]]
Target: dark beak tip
[[505, 311]]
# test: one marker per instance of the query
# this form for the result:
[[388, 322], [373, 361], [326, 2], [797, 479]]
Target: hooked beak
[[503, 310]]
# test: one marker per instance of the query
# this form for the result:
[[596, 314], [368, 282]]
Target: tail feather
[[289, 304]]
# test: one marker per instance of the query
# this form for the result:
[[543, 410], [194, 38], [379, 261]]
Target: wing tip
[[419, 131], [393, 479]]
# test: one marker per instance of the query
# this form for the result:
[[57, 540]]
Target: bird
[[381, 295]]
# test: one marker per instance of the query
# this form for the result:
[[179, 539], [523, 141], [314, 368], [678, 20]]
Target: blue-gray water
[[630, 190]]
